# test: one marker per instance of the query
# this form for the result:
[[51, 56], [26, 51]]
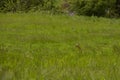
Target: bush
[[94, 7], [108, 8]]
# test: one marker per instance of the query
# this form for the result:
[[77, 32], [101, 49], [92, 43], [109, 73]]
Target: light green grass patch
[[36, 46]]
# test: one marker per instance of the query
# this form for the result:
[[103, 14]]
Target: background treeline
[[108, 8]]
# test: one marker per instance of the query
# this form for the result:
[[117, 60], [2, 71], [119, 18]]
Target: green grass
[[36, 46]]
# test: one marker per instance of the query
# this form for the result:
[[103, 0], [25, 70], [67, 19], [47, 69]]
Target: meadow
[[35, 46]]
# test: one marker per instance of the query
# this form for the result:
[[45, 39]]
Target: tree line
[[107, 8]]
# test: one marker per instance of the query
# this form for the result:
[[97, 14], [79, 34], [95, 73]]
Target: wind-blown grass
[[37, 46]]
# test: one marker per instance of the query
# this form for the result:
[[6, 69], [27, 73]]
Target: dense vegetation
[[36, 46], [64, 46], [109, 8]]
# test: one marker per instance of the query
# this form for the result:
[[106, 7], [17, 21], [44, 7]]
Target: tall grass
[[36, 46]]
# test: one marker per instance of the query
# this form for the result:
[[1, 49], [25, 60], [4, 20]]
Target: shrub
[[108, 8], [94, 7]]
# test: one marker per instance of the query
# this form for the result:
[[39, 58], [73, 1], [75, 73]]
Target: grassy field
[[36, 46]]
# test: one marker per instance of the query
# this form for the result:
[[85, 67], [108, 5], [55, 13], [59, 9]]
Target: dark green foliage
[[118, 6], [108, 8], [94, 7]]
